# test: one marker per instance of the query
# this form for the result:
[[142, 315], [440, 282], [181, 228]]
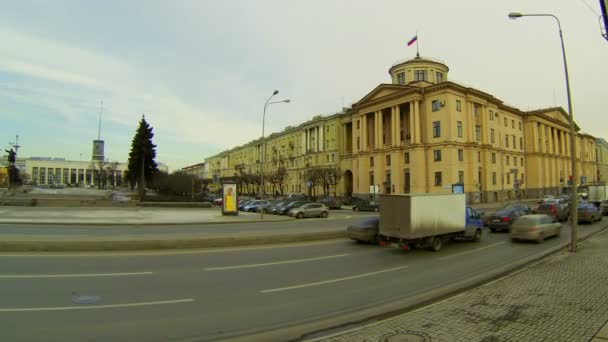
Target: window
[[521, 160], [512, 123], [479, 157], [332, 158], [514, 161], [507, 160], [371, 161], [438, 77], [506, 141], [519, 126], [358, 143], [514, 142], [401, 78], [491, 116], [437, 178], [477, 132], [493, 158], [420, 75], [521, 143], [460, 177], [387, 177], [436, 105], [508, 178], [506, 123], [406, 157], [458, 106], [459, 128], [327, 158], [436, 129], [358, 123], [371, 178], [521, 179], [492, 135], [460, 155], [437, 155], [494, 178], [388, 160]]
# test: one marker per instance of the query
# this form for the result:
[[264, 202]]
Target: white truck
[[597, 193], [427, 220]]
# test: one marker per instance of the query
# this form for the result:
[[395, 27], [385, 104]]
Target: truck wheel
[[477, 235], [436, 244]]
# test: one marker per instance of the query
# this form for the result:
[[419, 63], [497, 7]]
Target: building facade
[[601, 148], [61, 172], [423, 133]]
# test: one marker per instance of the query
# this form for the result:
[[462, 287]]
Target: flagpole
[[417, 39]]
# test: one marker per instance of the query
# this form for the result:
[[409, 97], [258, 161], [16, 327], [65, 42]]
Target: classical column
[[321, 138], [363, 132], [417, 121], [543, 138], [397, 126], [411, 123]]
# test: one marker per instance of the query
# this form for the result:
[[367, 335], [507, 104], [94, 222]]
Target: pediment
[[381, 91]]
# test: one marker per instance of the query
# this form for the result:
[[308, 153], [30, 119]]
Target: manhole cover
[[406, 337], [85, 299]]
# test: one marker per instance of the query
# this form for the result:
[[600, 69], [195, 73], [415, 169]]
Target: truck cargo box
[[421, 215]]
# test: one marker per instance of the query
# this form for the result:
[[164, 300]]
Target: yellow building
[[313, 144], [602, 159], [424, 133]]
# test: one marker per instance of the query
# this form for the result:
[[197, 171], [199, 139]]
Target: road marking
[[85, 307], [471, 251], [275, 263], [157, 253], [333, 280], [3, 276]]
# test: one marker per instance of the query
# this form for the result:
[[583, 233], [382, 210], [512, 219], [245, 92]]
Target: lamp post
[[263, 149], [574, 208]]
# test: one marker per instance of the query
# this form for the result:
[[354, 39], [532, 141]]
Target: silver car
[[309, 210], [535, 227]]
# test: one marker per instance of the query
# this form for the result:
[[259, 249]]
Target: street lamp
[[262, 149], [573, 210]]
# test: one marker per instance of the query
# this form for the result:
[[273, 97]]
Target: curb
[[163, 244], [344, 322], [89, 222]]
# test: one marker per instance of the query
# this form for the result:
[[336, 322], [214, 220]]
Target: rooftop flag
[[413, 40]]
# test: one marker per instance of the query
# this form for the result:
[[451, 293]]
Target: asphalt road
[[337, 218], [214, 294]]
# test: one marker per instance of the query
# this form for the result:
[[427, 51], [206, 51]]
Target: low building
[[42, 171]]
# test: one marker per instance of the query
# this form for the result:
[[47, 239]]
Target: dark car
[[277, 209], [503, 219], [556, 209], [363, 205], [284, 210], [242, 204], [271, 206], [331, 202], [485, 218], [588, 212], [365, 230]]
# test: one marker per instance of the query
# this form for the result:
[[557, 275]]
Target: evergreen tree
[[143, 152]]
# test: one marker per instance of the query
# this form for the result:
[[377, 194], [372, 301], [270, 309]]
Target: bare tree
[[278, 178], [330, 177]]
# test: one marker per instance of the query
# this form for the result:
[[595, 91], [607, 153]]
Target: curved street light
[[263, 146], [573, 210]]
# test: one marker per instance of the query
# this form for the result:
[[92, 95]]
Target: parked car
[[256, 206], [309, 210], [331, 202], [546, 198], [503, 219], [365, 230], [285, 209], [556, 209], [218, 201], [535, 227], [363, 205], [485, 218], [271, 206], [588, 212], [604, 207], [242, 204]]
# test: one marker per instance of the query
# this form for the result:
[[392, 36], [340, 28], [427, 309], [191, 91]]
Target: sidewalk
[[562, 298], [126, 216]]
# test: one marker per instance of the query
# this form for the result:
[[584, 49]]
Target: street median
[[18, 244]]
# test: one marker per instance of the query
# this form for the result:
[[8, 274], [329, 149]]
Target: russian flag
[[413, 40]]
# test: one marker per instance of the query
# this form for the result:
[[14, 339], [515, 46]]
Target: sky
[[200, 71]]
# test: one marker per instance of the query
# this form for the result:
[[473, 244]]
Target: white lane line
[[471, 251], [3, 276], [274, 263], [333, 280], [85, 307]]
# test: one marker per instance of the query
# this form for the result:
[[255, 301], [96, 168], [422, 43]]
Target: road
[[213, 294]]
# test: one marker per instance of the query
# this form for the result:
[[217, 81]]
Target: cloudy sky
[[201, 70]]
